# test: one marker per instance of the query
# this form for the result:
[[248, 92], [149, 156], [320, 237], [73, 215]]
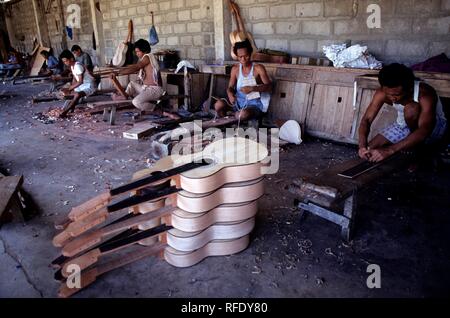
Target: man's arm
[[266, 86], [76, 83], [231, 90], [367, 120]]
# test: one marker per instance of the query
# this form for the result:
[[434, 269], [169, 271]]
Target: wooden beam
[[222, 27]]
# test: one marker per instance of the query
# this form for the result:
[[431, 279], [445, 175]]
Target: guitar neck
[[240, 23], [131, 257]]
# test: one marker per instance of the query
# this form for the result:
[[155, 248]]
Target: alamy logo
[[374, 19], [74, 279], [374, 279], [74, 16]]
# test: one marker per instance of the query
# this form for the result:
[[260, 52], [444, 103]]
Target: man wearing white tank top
[[83, 82], [420, 117], [249, 86]]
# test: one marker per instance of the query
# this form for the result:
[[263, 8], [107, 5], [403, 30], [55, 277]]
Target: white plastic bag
[[356, 56], [291, 132]]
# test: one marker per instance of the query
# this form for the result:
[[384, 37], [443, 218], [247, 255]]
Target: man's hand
[[379, 154], [56, 77], [232, 99], [364, 153], [247, 89]]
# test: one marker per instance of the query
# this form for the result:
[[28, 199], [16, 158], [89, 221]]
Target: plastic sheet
[[355, 56]]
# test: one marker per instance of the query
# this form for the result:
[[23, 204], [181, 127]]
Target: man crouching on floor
[[83, 83], [148, 89], [420, 117]]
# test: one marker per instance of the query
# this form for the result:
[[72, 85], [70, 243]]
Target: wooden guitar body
[[191, 241], [193, 222], [120, 55], [238, 192], [213, 248], [232, 160], [241, 34]]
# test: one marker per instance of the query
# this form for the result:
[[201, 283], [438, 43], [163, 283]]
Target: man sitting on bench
[[249, 84], [420, 117], [83, 83], [149, 89]]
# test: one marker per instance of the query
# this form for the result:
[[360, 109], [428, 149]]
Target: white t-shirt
[[78, 69]]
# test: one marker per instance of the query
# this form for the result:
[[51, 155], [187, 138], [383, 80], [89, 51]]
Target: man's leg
[[73, 103], [119, 87], [379, 141], [221, 108], [147, 98]]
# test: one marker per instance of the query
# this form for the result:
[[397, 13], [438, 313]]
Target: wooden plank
[[110, 103], [140, 130], [215, 69], [294, 75], [438, 81], [38, 61], [8, 186]]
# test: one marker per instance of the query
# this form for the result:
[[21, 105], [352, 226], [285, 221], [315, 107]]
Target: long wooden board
[[140, 130], [38, 61], [8, 186]]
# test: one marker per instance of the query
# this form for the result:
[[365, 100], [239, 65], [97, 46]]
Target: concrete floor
[[403, 223]]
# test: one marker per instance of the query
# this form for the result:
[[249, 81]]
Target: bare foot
[[117, 97]]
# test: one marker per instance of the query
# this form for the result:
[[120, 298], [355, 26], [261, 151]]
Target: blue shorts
[[396, 133]]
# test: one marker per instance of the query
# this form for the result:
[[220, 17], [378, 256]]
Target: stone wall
[[411, 30], [183, 25], [23, 26]]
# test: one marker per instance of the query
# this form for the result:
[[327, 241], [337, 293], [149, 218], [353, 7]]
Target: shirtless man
[[248, 83], [420, 117], [149, 87]]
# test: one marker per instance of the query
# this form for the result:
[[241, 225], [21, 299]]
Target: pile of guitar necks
[[183, 209]]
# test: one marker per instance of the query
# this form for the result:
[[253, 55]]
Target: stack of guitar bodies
[[184, 209]]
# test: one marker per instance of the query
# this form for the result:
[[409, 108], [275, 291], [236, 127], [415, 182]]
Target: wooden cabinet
[[290, 100], [331, 113]]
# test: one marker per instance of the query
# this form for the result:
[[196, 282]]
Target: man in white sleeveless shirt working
[[420, 117], [83, 83], [249, 86]]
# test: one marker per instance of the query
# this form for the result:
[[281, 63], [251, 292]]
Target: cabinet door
[[289, 101], [331, 113], [385, 117]]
